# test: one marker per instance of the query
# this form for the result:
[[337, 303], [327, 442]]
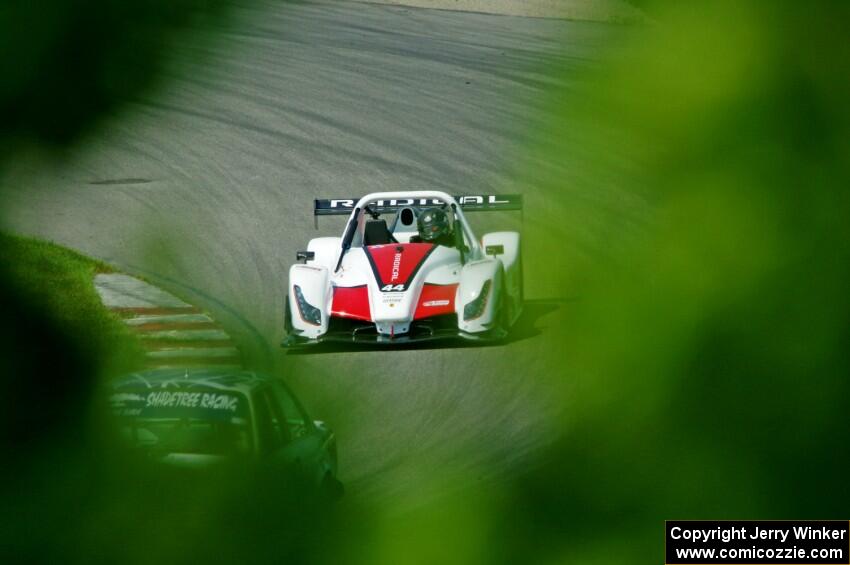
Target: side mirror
[[305, 255], [494, 250]]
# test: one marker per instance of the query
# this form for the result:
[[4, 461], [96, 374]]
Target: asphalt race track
[[207, 189]]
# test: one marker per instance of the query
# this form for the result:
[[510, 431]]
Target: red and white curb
[[174, 333]]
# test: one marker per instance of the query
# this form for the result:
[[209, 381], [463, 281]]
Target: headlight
[[309, 313], [475, 308]]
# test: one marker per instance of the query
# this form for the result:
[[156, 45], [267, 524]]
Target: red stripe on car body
[[435, 300], [351, 302]]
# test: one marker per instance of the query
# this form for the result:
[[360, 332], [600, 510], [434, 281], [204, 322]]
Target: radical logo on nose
[[396, 266]]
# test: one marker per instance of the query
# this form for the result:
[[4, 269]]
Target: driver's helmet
[[433, 223]]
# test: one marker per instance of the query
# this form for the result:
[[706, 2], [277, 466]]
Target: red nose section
[[397, 263]]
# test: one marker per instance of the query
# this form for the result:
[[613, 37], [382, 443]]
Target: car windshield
[[191, 421]]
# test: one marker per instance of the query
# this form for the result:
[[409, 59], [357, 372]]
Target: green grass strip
[[61, 282]]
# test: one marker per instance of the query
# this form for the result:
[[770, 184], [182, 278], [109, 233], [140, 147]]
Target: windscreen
[[192, 421]]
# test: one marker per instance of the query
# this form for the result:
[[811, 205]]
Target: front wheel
[[287, 316], [503, 319], [332, 488]]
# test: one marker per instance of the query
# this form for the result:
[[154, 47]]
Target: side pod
[[309, 296], [478, 295], [508, 243], [326, 251]]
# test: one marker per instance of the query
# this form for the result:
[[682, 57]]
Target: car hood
[[395, 266], [394, 284]]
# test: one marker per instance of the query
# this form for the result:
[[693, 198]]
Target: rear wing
[[469, 203]]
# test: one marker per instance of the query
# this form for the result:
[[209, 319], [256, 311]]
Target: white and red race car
[[379, 283]]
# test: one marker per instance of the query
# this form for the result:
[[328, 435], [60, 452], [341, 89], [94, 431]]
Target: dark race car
[[199, 417]]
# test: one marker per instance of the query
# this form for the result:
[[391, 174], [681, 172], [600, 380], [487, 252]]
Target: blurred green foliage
[[708, 354], [65, 64], [60, 280]]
